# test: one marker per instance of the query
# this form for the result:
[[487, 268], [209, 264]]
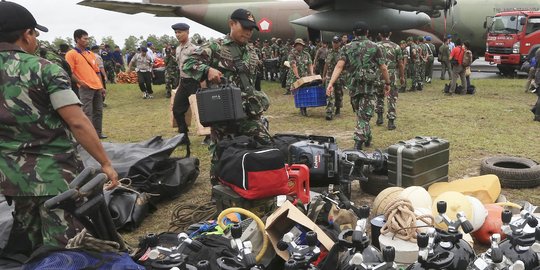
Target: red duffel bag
[[252, 170]]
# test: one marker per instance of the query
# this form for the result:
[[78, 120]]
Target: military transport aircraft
[[289, 19]]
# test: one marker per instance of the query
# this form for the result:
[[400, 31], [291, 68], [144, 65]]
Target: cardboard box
[[284, 219], [307, 80], [201, 130]]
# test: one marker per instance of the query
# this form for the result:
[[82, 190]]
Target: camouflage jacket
[[416, 51], [331, 60], [171, 66], [267, 52], [37, 153], [283, 53], [302, 60], [217, 54], [393, 54], [430, 48], [362, 60], [275, 50], [444, 53]]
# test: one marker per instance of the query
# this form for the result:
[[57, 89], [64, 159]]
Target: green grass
[[495, 121]]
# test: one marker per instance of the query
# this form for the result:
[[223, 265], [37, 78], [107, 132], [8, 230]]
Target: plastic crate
[[313, 96]]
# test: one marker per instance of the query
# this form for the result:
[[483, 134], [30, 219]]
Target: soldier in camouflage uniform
[[430, 48], [421, 71], [416, 67], [335, 100], [260, 65], [394, 61], [267, 54], [38, 158], [406, 61], [282, 56], [172, 73], [108, 63], [214, 61], [364, 60], [300, 66]]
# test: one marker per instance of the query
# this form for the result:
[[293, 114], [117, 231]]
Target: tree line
[[130, 44]]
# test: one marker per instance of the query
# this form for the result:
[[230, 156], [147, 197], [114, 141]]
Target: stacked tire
[[513, 172]]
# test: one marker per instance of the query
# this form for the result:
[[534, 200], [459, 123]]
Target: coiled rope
[[401, 220], [84, 240], [185, 215]]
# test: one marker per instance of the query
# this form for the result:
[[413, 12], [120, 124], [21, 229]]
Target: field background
[[495, 121]]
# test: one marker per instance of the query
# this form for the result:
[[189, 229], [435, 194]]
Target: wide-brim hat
[[299, 41]]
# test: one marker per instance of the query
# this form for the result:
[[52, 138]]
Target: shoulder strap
[[241, 69], [80, 52]]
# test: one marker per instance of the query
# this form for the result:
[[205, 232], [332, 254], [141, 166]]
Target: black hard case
[[222, 104]]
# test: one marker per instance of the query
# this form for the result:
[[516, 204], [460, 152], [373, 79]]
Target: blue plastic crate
[[313, 96]]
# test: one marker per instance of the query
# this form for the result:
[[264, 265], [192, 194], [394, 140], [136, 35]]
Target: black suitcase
[[320, 154], [418, 162], [222, 104]]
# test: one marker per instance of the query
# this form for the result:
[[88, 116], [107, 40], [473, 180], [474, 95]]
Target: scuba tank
[[361, 254], [518, 245], [300, 256], [494, 259], [439, 249], [245, 260]]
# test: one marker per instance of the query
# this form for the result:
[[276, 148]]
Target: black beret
[[180, 26]]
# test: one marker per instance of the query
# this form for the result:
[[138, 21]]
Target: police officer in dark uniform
[[188, 86]]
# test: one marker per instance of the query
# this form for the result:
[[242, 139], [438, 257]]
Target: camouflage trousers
[[335, 100], [252, 126], [110, 70], [419, 73], [42, 226], [391, 98], [429, 70], [363, 105], [171, 81]]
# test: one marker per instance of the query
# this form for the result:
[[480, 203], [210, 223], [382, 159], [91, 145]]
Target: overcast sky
[[62, 17]]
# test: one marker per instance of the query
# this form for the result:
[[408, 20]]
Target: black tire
[[376, 183], [513, 172]]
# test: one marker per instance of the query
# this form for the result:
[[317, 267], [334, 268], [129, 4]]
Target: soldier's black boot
[[380, 119], [358, 145], [329, 116], [391, 125], [367, 143], [337, 111], [168, 94]]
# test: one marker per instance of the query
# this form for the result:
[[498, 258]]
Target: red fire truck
[[512, 38]]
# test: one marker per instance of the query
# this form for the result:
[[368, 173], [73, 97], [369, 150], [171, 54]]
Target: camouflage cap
[[16, 17], [403, 42], [245, 17], [420, 38], [410, 39], [299, 41]]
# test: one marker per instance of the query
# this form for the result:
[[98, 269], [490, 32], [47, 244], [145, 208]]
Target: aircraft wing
[[159, 10], [427, 6]]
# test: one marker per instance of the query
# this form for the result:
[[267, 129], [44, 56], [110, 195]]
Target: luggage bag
[[418, 162], [221, 104]]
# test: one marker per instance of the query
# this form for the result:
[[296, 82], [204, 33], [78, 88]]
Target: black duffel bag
[[168, 178]]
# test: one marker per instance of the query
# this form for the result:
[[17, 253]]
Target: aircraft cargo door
[[314, 34]]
